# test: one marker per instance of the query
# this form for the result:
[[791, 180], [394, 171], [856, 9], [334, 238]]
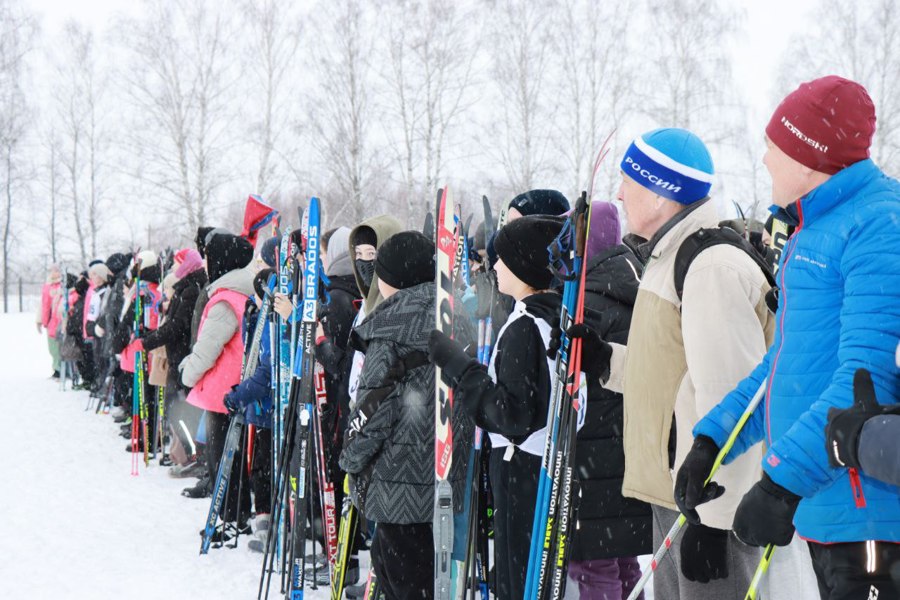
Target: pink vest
[[209, 393], [50, 307]]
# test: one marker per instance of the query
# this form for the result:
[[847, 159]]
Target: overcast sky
[[769, 26]]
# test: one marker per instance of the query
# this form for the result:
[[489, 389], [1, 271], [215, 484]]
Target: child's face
[[365, 252], [508, 283]]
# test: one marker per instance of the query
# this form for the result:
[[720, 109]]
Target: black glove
[[486, 292], [844, 425], [704, 553], [766, 514], [689, 489], [595, 353], [449, 355]]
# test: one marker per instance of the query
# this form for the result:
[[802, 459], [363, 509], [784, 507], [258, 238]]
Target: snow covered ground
[[76, 524]]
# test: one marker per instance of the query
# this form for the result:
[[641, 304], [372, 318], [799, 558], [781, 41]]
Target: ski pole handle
[[681, 520], [761, 569]]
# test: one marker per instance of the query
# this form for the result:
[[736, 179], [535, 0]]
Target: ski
[[575, 395], [63, 319], [223, 477], [137, 389], [346, 534], [326, 486], [445, 247], [554, 466], [372, 591], [305, 371], [474, 570], [547, 565], [281, 358]]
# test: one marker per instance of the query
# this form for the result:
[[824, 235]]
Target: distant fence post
[[20, 296]]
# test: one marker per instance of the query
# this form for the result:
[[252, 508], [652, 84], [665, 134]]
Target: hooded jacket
[[395, 446], [384, 227], [837, 312], [340, 263], [608, 524], [683, 356]]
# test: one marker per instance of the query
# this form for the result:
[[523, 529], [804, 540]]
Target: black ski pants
[[261, 471], [86, 365], [857, 570], [514, 483], [403, 559]]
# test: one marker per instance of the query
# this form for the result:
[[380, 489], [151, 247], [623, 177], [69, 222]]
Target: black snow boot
[[201, 490]]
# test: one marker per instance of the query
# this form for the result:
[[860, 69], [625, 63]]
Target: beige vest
[[682, 359]]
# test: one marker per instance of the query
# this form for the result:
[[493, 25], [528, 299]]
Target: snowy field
[[76, 523]]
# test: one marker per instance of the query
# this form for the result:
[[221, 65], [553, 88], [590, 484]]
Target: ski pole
[[681, 520], [761, 569], [240, 489], [281, 476]]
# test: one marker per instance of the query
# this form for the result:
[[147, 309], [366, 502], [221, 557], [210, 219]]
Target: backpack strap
[[705, 238]]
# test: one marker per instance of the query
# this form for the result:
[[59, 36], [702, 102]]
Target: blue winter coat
[[255, 392], [839, 310]]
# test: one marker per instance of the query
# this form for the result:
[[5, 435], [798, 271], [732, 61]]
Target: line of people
[[673, 352]]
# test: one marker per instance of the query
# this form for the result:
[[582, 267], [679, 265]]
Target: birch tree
[[341, 108], [80, 116], [273, 50], [859, 41], [521, 49], [596, 87], [689, 82], [179, 83], [18, 29], [430, 75]]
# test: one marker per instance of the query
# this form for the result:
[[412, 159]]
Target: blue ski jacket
[[838, 311], [255, 392]]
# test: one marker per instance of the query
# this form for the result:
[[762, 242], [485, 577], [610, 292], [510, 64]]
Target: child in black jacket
[[389, 449], [510, 399]]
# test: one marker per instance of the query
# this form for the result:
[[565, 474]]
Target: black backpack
[[702, 239]]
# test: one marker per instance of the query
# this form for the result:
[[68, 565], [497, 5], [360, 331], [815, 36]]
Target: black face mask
[[366, 270]]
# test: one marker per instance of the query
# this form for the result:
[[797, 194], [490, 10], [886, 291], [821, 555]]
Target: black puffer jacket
[[393, 449], [175, 331], [332, 353], [112, 313], [608, 525]]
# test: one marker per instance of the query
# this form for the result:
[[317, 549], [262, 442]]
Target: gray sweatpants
[[670, 584]]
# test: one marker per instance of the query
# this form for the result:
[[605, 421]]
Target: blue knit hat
[[671, 162]]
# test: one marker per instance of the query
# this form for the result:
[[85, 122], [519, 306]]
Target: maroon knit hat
[[825, 124]]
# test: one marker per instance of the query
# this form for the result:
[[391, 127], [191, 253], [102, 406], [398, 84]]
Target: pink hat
[[190, 263]]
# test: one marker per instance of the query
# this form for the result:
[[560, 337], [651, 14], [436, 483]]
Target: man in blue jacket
[[838, 311]]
